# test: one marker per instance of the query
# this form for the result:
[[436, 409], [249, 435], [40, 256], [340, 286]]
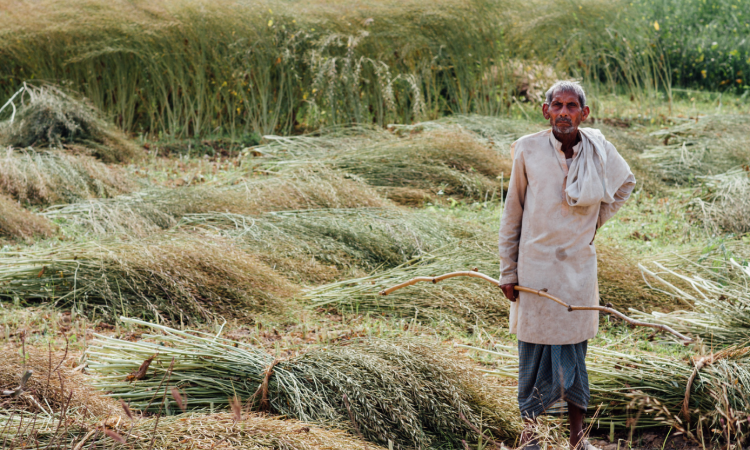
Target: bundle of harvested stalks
[[715, 286], [440, 162], [491, 130], [192, 430], [724, 204], [708, 146], [647, 390], [463, 301], [52, 385], [437, 160], [153, 210], [621, 284], [170, 278], [466, 299], [19, 223], [409, 393], [48, 116], [39, 178], [367, 238]]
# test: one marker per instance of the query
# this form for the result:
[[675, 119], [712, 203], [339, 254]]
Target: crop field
[[200, 203]]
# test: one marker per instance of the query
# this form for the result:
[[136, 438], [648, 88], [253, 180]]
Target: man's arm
[[510, 226]]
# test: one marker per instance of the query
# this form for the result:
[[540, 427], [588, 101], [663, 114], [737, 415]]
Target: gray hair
[[567, 86]]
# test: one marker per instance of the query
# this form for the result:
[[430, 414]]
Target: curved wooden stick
[[542, 293]]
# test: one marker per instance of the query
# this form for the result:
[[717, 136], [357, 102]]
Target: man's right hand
[[509, 291]]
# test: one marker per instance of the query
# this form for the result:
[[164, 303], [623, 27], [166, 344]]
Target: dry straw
[[724, 204], [50, 117], [708, 146], [714, 285], [409, 393], [17, 223], [174, 278], [347, 238], [53, 385], [149, 211], [463, 301], [198, 430], [468, 300], [53, 176], [436, 159]]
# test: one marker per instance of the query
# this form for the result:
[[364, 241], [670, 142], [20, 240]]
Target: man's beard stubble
[[563, 127]]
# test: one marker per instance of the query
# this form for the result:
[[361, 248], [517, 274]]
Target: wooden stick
[[542, 293]]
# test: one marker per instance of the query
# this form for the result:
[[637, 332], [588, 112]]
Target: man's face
[[564, 113]]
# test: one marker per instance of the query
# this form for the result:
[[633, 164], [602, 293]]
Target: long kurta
[[545, 243]]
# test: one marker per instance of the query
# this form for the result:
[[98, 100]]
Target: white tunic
[[545, 243]]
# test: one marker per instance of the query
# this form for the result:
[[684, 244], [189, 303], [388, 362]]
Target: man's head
[[565, 107]]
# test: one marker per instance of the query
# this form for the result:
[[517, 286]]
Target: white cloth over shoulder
[[593, 180]]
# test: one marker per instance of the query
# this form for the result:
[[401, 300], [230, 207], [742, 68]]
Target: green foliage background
[[197, 68]]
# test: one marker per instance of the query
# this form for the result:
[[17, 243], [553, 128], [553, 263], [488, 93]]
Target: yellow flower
[[703, 72], [656, 25], [270, 22]]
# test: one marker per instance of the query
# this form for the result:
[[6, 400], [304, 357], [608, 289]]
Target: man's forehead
[[565, 97]]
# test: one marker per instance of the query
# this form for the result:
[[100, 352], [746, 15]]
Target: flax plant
[[409, 393]]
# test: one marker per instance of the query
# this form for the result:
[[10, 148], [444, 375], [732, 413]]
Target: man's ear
[[586, 112], [545, 111]]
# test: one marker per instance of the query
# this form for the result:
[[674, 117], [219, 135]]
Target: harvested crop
[[410, 393]]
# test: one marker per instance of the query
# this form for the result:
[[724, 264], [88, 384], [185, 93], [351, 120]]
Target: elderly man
[[565, 183]]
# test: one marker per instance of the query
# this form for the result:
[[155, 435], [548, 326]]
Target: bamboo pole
[[542, 293]]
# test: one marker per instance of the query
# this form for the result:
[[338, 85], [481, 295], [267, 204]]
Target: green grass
[[186, 69]]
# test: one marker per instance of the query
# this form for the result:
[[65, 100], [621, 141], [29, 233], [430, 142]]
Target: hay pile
[[192, 430], [433, 160], [50, 117], [621, 283], [409, 393], [174, 278], [710, 145], [17, 223], [53, 386], [724, 202], [462, 301], [470, 300], [150, 211], [441, 162], [42, 178], [350, 239], [714, 284]]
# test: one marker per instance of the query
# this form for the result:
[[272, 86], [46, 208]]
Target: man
[[565, 183]]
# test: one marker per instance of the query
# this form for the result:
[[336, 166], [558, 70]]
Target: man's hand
[[509, 291]]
